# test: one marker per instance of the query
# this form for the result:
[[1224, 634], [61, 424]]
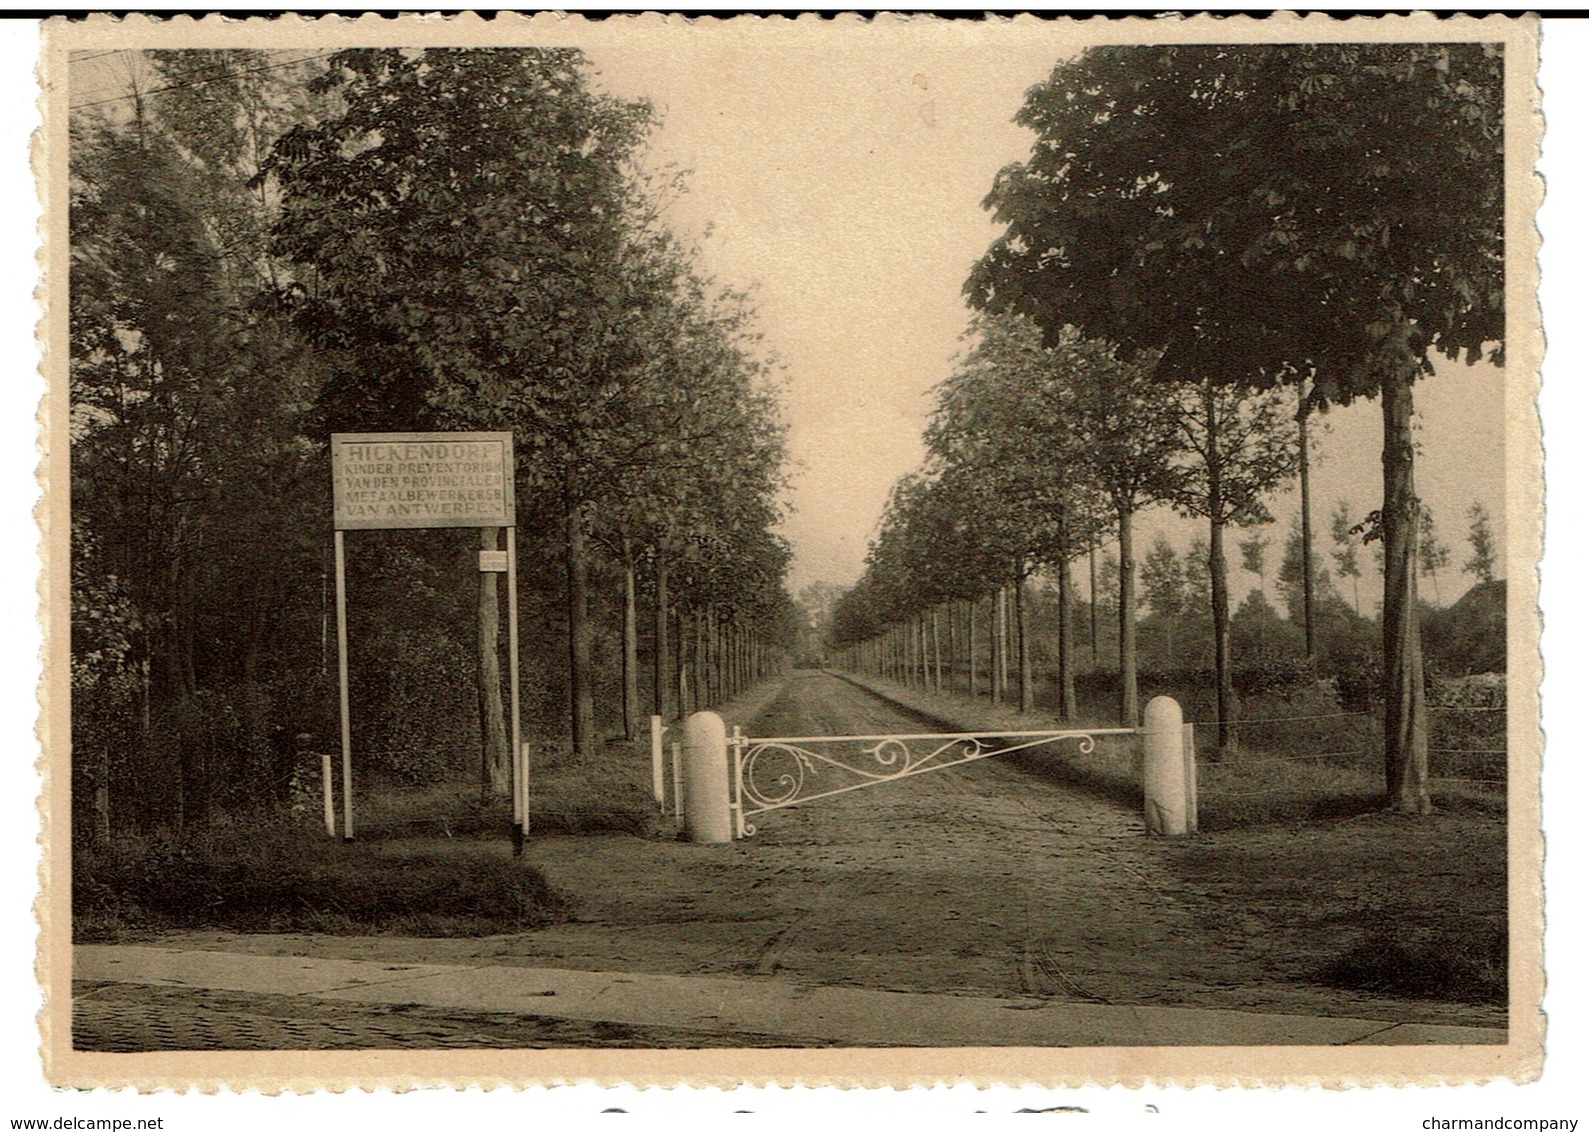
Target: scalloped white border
[[1135, 1067]]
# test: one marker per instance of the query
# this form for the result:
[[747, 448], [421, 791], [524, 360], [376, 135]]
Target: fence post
[[1164, 771], [736, 783], [708, 812], [326, 796], [1189, 754], [657, 789]]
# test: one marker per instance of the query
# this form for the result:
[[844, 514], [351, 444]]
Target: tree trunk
[[1003, 605], [711, 670], [631, 644], [731, 661], [1128, 622], [1023, 650], [705, 677], [1406, 721], [680, 660], [937, 654], [913, 659], [1225, 695], [102, 798], [659, 652], [582, 708], [699, 693], [971, 647], [494, 773], [993, 645], [1307, 525], [1066, 662], [954, 641], [1218, 583], [715, 651], [1092, 596]]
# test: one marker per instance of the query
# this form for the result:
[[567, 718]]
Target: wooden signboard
[[388, 480], [394, 480]]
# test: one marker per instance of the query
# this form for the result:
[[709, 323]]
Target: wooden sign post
[[394, 480]]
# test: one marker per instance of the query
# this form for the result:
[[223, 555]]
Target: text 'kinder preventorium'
[[420, 482]]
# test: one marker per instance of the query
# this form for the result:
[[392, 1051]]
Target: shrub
[[610, 793], [1358, 684], [267, 874], [1468, 637], [1468, 966]]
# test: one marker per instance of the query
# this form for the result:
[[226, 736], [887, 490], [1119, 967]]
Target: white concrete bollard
[[1164, 772], [708, 814]]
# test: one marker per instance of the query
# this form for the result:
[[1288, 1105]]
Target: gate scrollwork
[[772, 774]]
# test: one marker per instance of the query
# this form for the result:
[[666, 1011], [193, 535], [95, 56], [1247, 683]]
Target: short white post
[[736, 783], [708, 815], [325, 795], [1164, 802], [657, 788]]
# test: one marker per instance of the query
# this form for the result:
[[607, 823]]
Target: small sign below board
[[388, 480], [493, 562]]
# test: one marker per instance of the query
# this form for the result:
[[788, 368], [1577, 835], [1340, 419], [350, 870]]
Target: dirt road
[[978, 880]]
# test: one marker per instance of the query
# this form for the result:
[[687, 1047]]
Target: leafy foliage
[[1481, 539], [384, 240], [1260, 211], [1272, 214]]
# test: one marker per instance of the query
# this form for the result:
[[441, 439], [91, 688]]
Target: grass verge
[[1463, 966], [430, 860], [1383, 903], [262, 872], [1247, 787]]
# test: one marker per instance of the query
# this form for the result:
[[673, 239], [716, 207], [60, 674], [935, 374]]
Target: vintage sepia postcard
[[861, 551]]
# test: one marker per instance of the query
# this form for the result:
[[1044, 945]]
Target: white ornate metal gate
[[774, 774]]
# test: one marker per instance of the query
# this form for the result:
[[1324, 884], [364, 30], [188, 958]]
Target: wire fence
[[1466, 745]]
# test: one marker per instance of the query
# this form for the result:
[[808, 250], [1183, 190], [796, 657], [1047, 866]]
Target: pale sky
[[844, 187]]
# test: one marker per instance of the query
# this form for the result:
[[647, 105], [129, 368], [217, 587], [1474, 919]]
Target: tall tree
[[1290, 577], [150, 344], [1254, 552], [1005, 418], [188, 396], [1266, 213], [1164, 591], [1345, 552], [700, 422], [459, 232], [1237, 449], [1305, 514], [1433, 555], [1481, 541], [1127, 433]]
